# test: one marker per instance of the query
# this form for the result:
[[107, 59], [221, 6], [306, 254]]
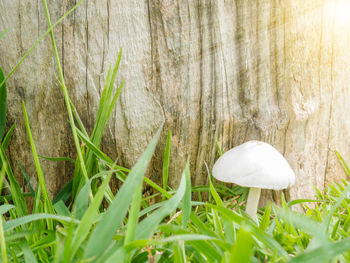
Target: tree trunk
[[226, 71]]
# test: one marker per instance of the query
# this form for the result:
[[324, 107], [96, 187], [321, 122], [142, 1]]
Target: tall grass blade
[[186, 204], [16, 192], [219, 148], [82, 200], [57, 159], [11, 224], [324, 253], [29, 256], [265, 220], [147, 225], [104, 231], [90, 215], [228, 226], [179, 252], [2, 241], [65, 93], [64, 193], [133, 215], [166, 161], [3, 98], [2, 175], [7, 137], [262, 236], [27, 179], [5, 208], [47, 202], [243, 247]]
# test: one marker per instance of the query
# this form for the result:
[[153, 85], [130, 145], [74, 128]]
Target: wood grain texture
[[231, 71]]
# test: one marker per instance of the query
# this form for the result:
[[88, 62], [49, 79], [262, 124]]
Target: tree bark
[[226, 71]]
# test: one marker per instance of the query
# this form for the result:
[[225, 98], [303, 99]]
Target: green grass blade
[[58, 159], [103, 233], [2, 175], [64, 193], [305, 223], [186, 204], [47, 202], [301, 201], [265, 220], [166, 161], [133, 215], [16, 192], [89, 216], [343, 163], [11, 224], [66, 95], [3, 246], [3, 98], [340, 199], [219, 148], [5, 208], [27, 179], [323, 253], [61, 209], [114, 100], [262, 236], [7, 137], [29, 256], [109, 161], [179, 252], [228, 226], [93, 148], [243, 247], [147, 225], [81, 203]]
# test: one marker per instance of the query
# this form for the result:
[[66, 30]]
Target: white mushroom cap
[[254, 164]]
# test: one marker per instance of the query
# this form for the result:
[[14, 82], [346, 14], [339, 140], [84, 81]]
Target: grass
[[87, 222]]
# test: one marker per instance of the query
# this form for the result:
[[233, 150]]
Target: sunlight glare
[[342, 13]]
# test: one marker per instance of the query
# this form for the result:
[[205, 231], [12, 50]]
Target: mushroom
[[257, 165]]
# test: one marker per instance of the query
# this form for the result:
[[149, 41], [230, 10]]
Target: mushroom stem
[[252, 202]]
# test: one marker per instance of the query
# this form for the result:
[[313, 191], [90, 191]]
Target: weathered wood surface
[[271, 70]]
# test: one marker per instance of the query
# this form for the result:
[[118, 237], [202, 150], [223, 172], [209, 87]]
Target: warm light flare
[[342, 13]]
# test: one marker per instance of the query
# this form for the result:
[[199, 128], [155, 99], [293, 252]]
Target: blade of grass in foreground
[[16, 192], [3, 97], [186, 207], [133, 215], [260, 235], [2, 241], [103, 233], [166, 160], [89, 216], [179, 252], [2, 175], [109, 161], [27, 179], [242, 249], [11, 224], [47, 202], [323, 253], [228, 226], [7, 137], [146, 227]]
